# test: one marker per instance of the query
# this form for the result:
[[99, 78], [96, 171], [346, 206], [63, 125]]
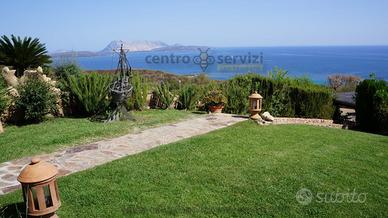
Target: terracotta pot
[[216, 108]]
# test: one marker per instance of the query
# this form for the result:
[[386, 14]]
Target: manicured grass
[[245, 170], [53, 134]]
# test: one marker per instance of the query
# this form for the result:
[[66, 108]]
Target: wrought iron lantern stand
[[121, 89]]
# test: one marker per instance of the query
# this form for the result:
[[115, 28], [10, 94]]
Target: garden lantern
[[255, 102], [40, 189]]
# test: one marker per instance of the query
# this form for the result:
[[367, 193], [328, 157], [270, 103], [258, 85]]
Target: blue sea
[[223, 63]]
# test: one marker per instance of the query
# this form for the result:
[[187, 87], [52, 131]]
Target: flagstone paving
[[82, 157]]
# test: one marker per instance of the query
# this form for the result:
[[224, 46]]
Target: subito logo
[[203, 59], [304, 196]]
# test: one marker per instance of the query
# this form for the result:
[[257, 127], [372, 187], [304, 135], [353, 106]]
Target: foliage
[[4, 101], [279, 104], [35, 100], [278, 74], [22, 53], [188, 97], [91, 91], [372, 105], [165, 95], [140, 90], [281, 97], [237, 96], [343, 83], [215, 98], [64, 70]]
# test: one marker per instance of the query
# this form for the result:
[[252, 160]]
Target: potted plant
[[215, 101]]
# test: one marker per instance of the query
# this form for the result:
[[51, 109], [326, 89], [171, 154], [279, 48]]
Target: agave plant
[[91, 90], [22, 53], [165, 95], [188, 97]]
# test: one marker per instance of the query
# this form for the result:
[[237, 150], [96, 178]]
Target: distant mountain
[[131, 46], [74, 54], [178, 47]]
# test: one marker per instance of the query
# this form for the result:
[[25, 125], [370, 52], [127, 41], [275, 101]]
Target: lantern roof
[[255, 95], [37, 171]]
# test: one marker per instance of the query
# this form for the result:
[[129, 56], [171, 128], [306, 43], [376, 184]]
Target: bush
[[35, 100], [188, 97], [281, 96], [62, 71], [237, 91], [138, 98], [4, 100], [91, 91], [371, 105], [165, 95]]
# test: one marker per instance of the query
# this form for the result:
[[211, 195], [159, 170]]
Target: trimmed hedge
[[286, 97], [372, 106]]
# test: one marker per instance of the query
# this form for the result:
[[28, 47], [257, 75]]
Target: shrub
[[165, 95], [371, 105], [138, 98], [64, 70], [35, 100], [188, 97], [278, 74], [279, 104], [381, 99], [4, 100], [281, 96], [22, 54], [237, 91], [91, 91]]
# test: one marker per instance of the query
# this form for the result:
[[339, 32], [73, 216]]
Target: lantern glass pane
[[254, 104], [35, 198], [47, 196]]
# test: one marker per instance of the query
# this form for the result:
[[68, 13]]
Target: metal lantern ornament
[[255, 103], [40, 189]]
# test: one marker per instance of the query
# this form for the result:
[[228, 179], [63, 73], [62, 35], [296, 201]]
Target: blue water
[[315, 62]]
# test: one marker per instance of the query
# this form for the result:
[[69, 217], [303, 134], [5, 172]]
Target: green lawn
[[53, 134], [243, 171]]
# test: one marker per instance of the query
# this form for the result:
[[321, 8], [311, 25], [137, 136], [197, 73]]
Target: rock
[[13, 92], [267, 116], [1, 127], [39, 70], [9, 77]]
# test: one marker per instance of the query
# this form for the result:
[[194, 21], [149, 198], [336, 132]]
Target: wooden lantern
[[255, 103], [40, 189]]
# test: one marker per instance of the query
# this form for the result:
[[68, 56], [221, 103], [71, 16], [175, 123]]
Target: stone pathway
[[82, 157]]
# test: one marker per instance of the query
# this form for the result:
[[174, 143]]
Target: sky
[[92, 24]]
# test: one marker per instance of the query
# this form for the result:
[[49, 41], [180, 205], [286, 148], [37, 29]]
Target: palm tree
[[22, 54]]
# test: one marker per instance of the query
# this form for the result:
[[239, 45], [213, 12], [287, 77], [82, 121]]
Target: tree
[[22, 53]]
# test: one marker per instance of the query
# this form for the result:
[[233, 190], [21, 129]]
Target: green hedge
[[372, 106], [284, 97]]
